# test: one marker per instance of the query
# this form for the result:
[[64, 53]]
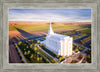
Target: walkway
[[21, 54]]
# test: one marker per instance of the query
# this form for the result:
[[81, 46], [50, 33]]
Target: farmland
[[42, 27]]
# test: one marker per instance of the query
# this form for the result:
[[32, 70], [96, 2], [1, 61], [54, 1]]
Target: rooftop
[[57, 36]]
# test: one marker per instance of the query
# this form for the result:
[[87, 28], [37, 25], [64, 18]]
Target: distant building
[[61, 44]]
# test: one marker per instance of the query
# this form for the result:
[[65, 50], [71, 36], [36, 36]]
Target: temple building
[[61, 44]]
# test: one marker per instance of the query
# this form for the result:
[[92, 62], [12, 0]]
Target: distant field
[[42, 27], [67, 23]]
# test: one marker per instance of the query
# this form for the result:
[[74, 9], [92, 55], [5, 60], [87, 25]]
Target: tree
[[53, 52], [80, 56], [38, 41], [76, 50], [37, 58], [57, 56], [22, 60], [88, 58], [26, 46], [41, 58], [19, 43], [29, 52], [31, 56], [73, 61], [35, 48], [79, 47], [47, 60], [25, 53], [89, 49], [34, 45], [60, 59], [31, 46], [38, 53], [18, 51], [41, 44]]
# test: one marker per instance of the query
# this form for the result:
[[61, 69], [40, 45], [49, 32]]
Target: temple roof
[[58, 36]]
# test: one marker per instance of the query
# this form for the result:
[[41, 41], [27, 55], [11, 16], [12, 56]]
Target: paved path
[[21, 54], [74, 57], [81, 60]]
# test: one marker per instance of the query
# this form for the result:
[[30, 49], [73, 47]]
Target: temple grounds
[[28, 38]]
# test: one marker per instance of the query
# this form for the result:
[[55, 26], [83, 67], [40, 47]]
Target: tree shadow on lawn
[[27, 34], [24, 33]]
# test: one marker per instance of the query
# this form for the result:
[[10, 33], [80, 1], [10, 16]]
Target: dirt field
[[13, 56]]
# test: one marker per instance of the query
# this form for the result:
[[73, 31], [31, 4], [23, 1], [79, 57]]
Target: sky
[[47, 15]]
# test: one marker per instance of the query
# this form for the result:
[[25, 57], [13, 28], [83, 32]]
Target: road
[[86, 48], [80, 37], [86, 44]]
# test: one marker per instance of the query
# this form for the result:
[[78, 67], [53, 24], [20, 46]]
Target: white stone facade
[[61, 44]]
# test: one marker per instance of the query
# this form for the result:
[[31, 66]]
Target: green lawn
[[87, 30], [42, 27]]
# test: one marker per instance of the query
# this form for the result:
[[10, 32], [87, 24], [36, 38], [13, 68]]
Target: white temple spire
[[50, 31]]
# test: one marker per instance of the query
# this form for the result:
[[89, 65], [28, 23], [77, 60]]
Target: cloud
[[49, 15]]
